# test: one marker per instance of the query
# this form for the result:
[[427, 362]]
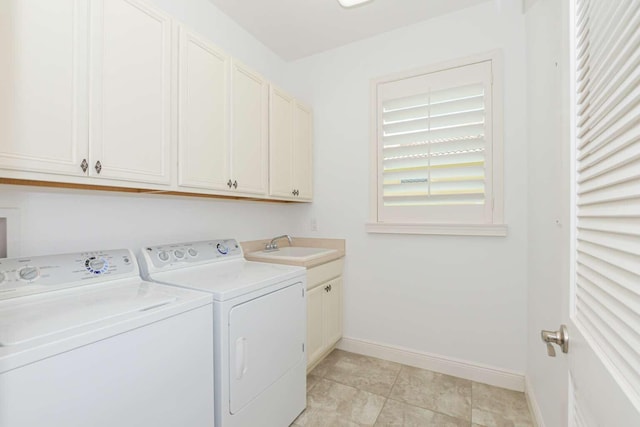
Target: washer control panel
[[31, 275], [178, 255]]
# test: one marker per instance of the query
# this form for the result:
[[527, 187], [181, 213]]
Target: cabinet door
[[280, 143], [332, 313], [43, 95], [131, 92], [203, 114], [249, 133], [315, 345], [302, 152]]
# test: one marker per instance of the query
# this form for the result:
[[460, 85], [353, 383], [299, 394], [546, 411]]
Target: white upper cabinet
[[290, 147], [280, 143], [204, 152], [249, 130], [302, 151], [116, 92], [131, 83], [43, 81]]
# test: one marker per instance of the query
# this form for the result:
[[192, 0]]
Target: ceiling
[[297, 28]]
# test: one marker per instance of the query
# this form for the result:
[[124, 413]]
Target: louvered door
[[604, 318]]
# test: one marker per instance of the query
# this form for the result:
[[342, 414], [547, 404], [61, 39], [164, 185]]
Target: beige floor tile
[[434, 391], [366, 373], [402, 415], [499, 407], [312, 380], [333, 404]]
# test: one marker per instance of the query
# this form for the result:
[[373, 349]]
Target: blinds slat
[[431, 124], [607, 61], [623, 243], [613, 193], [622, 260], [624, 280], [613, 225], [621, 296], [614, 141], [624, 321], [622, 173], [613, 345], [622, 209], [624, 111], [459, 147]]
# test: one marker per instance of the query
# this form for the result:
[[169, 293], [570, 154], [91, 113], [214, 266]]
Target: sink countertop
[[308, 242]]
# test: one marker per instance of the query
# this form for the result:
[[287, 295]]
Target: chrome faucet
[[273, 244]]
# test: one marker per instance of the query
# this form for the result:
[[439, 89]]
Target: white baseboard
[[536, 414], [445, 365]]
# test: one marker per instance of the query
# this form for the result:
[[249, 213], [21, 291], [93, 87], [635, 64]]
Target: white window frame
[[494, 221]]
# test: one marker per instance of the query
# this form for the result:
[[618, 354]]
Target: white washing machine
[[85, 342], [259, 327]]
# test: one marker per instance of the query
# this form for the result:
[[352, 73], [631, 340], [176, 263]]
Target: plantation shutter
[[607, 280], [434, 146]]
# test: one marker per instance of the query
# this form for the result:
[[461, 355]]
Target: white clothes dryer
[[85, 342], [259, 327]]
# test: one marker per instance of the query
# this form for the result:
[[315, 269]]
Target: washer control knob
[[163, 256], [193, 252], [178, 253], [97, 264], [29, 274], [222, 248]]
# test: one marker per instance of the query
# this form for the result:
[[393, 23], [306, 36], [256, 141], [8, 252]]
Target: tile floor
[[348, 389]]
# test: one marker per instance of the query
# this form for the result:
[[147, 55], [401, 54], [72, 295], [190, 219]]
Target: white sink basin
[[293, 253]]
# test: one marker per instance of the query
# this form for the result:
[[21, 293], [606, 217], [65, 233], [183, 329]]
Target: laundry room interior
[[454, 302]]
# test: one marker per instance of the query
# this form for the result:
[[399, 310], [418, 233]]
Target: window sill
[[494, 230]]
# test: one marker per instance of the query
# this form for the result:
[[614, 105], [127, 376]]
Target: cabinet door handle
[[235, 184], [84, 165], [293, 192], [329, 288], [229, 183], [326, 289], [98, 166]]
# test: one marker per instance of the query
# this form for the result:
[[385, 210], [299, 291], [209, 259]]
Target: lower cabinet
[[324, 318]]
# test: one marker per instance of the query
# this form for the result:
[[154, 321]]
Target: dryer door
[[266, 340]]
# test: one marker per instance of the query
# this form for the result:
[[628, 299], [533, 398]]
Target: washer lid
[[230, 279], [29, 318]]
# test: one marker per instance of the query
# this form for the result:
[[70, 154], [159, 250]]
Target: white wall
[[461, 297], [547, 62], [72, 220], [55, 221]]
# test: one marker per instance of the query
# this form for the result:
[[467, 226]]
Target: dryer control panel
[[32, 275], [179, 255]]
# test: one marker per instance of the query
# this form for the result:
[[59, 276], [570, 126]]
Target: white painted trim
[[13, 230], [438, 229], [445, 365], [536, 413]]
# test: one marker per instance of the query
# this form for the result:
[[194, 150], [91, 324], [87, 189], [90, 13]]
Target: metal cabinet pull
[[84, 165], [235, 184], [293, 192], [98, 166], [229, 183], [326, 289]]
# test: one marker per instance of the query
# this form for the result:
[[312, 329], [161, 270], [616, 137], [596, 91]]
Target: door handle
[[559, 337]]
